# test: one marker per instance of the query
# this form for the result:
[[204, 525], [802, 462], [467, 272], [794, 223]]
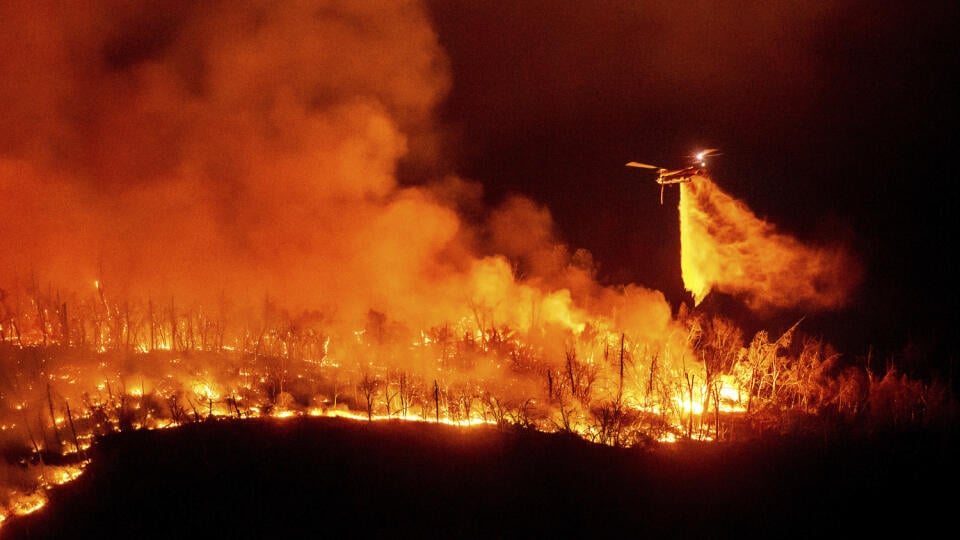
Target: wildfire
[[24, 502], [28, 504], [601, 385], [232, 197]]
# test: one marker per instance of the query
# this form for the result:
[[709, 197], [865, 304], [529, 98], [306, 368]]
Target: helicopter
[[667, 177]]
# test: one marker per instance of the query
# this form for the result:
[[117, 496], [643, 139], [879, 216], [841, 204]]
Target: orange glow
[[253, 253], [28, 504], [725, 247], [21, 503]]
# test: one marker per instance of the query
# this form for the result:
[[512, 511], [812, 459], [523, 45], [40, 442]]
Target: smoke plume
[[227, 152]]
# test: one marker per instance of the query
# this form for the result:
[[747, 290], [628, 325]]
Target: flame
[[57, 475], [725, 247], [22, 503], [253, 253], [29, 503]]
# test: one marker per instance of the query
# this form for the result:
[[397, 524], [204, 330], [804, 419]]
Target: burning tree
[[64, 388]]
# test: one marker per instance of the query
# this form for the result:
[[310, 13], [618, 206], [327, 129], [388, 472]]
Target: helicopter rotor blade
[[708, 152], [641, 165]]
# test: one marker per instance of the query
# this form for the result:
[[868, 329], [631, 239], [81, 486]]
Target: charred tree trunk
[[53, 418], [620, 385], [690, 382], [36, 447], [173, 326], [716, 407], [153, 325], [127, 330], [403, 393], [64, 326], [73, 429], [368, 388], [653, 370], [41, 312]]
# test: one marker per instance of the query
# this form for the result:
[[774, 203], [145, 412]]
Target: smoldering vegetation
[[116, 368]]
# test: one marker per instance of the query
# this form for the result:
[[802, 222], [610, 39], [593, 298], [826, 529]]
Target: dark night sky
[[836, 122]]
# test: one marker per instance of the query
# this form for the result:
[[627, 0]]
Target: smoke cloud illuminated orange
[[223, 153]]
